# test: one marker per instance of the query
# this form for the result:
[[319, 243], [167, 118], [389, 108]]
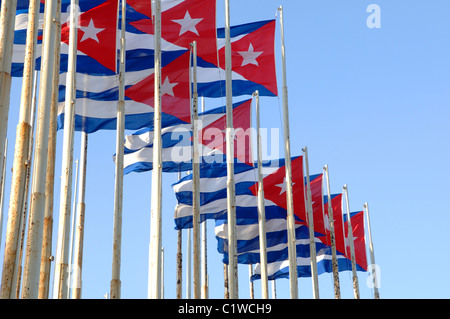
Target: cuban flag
[[252, 59], [248, 248], [97, 36], [182, 22], [359, 243], [177, 142], [213, 192]]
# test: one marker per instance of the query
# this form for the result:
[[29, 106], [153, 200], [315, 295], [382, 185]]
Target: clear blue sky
[[370, 103]]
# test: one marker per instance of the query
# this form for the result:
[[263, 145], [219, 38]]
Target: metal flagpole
[[60, 290], [79, 229], [115, 286], [289, 197], [205, 292], [179, 263], [7, 23], [188, 265], [274, 289], [195, 180], [17, 266], [155, 224], [46, 255], [261, 207], [376, 293], [352, 247], [2, 189], [312, 244], [23, 136], [337, 289], [72, 229], [251, 286], [231, 200], [37, 209]]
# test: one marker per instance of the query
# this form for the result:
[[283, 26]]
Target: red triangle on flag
[[188, 21], [174, 89], [275, 188], [97, 33], [214, 135], [253, 57]]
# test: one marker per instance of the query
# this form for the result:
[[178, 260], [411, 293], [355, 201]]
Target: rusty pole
[[30, 285], [46, 255], [7, 22], [79, 230], [21, 153]]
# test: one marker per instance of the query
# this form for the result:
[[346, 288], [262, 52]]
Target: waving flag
[[97, 29], [253, 62], [97, 33], [177, 142], [182, 22], [175, 81], [247, 232], [213, 192], [357, 221]]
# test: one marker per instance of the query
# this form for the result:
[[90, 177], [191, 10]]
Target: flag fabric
[[97, 29], [253, 62], [182, 22], [177, 142], [213, 192], [357, 221]]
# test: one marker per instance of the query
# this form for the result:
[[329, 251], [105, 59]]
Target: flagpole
[[205, 292], [188, 264], [23, 136], [195, 180], [7, 23], [79, 229], [289, 197], [372, 254], [251, 286], [60, 289], [72, 229], [274, 289], [37, 209], [155, 224], [179, 264], [334, 263], [46, 254], [231, 200], [17, 266], [312, 244], [2, 189], [115, 287], [261, 207], [352, 247]]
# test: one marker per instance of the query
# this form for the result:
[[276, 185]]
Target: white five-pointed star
[[250, 56], [283, 186], [188, 23], [167, 87], [90, 32]]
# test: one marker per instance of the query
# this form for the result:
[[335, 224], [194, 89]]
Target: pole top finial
[[325, 167], [344, 187]]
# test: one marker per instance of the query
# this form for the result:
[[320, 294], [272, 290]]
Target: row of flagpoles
[[36, 271]]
